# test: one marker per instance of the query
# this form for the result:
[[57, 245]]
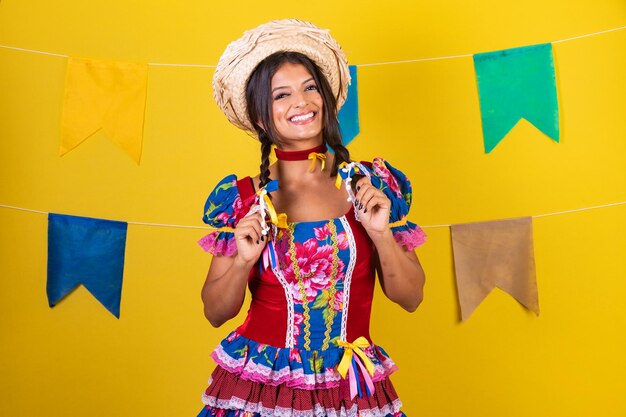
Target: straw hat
[[242, 56]]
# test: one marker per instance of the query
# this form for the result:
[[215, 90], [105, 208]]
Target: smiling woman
[[310, 252], [298, 105]]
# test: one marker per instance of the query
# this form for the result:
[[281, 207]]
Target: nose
[[299, 100]]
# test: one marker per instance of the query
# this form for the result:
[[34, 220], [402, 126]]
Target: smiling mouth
[[301, 118]]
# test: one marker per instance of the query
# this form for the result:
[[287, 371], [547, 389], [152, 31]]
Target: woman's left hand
[[373, 207]]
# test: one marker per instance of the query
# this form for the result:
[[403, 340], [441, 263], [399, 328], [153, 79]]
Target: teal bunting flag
[[514, 84], [86, 251], [349, 113]]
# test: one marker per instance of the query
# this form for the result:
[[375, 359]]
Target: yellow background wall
[[78, 360]]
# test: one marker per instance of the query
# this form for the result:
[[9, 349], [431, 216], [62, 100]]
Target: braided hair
[[259, 99]]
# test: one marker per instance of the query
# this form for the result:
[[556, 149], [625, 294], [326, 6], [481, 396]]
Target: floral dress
[[304, 349]]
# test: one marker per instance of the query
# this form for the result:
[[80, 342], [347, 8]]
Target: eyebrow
[[303, 82]]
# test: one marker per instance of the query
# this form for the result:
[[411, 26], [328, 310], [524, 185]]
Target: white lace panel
[[289, 299], [348, 277]]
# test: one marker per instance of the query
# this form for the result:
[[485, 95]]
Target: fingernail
[[263, 238], [365, 211], [257, 242], [356, 201], [361, 206], [358, 187]]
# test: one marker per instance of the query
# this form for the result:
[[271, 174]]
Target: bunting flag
[[514, 84], [493, 254], [87, 251], [349, 112], [104, 95]]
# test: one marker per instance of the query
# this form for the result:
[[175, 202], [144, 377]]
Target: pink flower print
[[381, 170], [281, 244], [239, 211], [315, 267], [322, 233], [313, 260], [342, 241], [298, 319], [310, 292], [338, 301], [294, 355], [223, 217], [237, 204], [232, 337], [260, 347]]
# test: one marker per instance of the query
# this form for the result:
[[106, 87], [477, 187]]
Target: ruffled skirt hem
[[293, 367], [230, 396]]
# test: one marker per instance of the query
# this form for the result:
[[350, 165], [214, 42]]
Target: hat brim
[[242, 56]]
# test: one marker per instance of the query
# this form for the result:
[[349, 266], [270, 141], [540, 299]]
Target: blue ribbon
[[271, 186], [356, 375], [272, 255]]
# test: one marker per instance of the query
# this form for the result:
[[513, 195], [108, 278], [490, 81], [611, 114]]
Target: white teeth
[[302, 118]]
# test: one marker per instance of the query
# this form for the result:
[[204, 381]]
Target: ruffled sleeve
[[397, 188], [223, 210]]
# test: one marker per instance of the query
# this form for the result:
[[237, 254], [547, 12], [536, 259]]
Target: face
[[297, 107]]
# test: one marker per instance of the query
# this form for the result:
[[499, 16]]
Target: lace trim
[[218, 244], [411, 239], [236, 403], [348, 277], [296, 377], [333, 285], [289, 341], [226, 361]]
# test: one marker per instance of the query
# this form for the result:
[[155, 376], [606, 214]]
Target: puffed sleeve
[[397, 188], [223, 210]]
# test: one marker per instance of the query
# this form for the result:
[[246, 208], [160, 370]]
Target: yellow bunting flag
[[105, 95], [493, 254]]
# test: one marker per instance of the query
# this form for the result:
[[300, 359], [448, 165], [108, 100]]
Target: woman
[[306, 235]]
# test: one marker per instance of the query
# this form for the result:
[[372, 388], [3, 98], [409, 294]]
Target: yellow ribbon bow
[[282, 221], [350, 349], [279, 219], [313, 156]]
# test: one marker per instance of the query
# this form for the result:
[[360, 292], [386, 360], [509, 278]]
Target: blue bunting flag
[[87, 251], [349, 113]]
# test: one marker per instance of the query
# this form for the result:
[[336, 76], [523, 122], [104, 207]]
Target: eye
[[280, 95], [311, 87]]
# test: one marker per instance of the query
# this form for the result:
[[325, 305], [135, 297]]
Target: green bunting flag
[[514, 84]]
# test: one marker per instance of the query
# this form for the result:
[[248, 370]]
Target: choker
[[299, 155], [314, 154]]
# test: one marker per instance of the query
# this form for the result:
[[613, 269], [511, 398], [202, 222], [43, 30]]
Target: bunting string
[[90, 251], [406, 61], [182, 226]]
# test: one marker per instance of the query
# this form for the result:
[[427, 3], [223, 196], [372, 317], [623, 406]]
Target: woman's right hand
[[249, 239]]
